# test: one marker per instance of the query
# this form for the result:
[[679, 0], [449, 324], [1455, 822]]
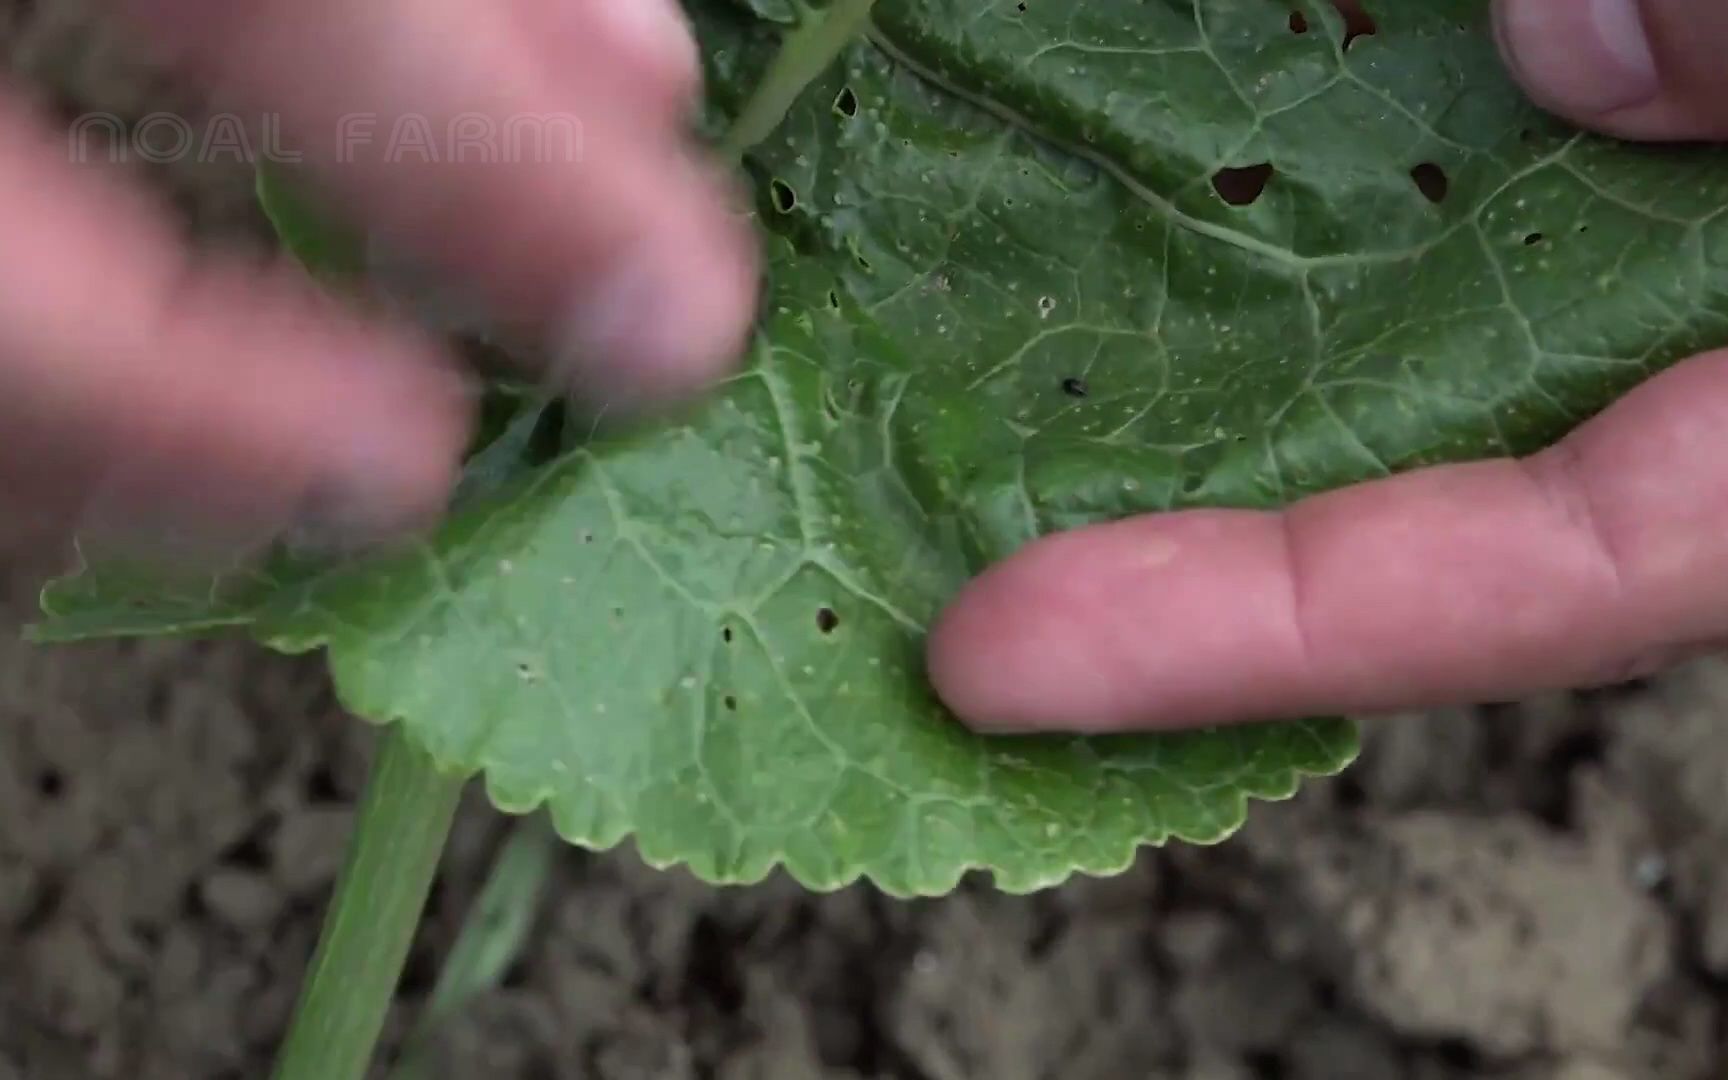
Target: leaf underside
[[1012, 293]]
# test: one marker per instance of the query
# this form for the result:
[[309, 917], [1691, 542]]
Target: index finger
[[1466, 583], [535, 151]]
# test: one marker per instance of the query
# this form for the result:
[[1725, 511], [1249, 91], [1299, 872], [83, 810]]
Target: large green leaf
[[1007, 298]]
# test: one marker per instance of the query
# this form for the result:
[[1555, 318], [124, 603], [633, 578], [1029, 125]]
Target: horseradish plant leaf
[[1033, 265]]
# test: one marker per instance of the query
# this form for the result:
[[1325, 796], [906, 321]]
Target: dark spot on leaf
[[50, 783], [833, 299], [587, 538], [827, 620], [1533, 239], [1357, 24], [1298, 23], [1075, 387], [726, 634], [1431, 181], [730, 702], [847, 103], [1242, 186], [785, 199], [1021, 7]]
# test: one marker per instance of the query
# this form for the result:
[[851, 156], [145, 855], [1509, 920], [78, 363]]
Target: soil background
[[1526, 892]]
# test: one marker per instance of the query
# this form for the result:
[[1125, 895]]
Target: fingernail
[[656, 29], [651, 329], [1580, 57]]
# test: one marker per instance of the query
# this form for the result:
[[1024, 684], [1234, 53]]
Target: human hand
[[205, 406], [1602, 558]]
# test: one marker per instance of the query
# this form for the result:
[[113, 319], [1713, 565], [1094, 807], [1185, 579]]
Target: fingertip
[[1582, 58], [1012, 653], [963, 648], [1635, 69], [272, 414], [656, 33], [1149, 623], [178, 403], [386, 474], [670, 316]]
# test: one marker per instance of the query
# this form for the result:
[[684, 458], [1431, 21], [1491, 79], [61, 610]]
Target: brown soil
[[1525, 892]]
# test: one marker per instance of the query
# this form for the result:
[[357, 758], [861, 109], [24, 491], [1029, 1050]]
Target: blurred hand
[[1602, 558], [208, 404]]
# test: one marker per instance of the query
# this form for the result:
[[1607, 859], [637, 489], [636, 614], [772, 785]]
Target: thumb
[[1636, 69]]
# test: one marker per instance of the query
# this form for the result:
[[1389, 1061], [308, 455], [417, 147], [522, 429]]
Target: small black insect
[[1075, 387]]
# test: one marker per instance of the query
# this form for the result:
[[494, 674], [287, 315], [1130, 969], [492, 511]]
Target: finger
[[647, 46], [141, 392], [577, 210], [1638, 69], [1469, 583]]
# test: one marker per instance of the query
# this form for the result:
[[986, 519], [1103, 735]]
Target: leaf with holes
[[1034, 265]]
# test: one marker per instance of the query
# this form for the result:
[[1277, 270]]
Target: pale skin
[[215, 400]]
